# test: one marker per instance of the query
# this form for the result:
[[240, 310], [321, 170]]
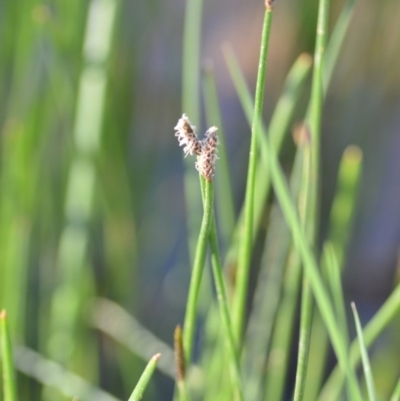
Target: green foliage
[[73, 190]]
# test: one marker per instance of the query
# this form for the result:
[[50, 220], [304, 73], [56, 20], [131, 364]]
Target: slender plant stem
[[314, 124], [304, 340], [308, 259], [364, 356], [306, 296], [197, 272], [278, 127], [144, 379], [283, 327], [241, 288], [9, 381], [227, 332]]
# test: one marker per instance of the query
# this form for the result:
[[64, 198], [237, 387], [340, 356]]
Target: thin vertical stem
[[241, 289], [311, 216], [197, 272]]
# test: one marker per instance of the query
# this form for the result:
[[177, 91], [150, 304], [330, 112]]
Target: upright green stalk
[[306, 296], [314, 125], [278, 127], [9, 380], [197, 272], [243, 269], [308, 260], [227, 332]]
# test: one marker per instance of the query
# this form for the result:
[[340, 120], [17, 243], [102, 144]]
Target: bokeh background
[[92, 200]]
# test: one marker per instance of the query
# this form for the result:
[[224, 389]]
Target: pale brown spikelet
[[205, 164], [205, 150], [186, 133]]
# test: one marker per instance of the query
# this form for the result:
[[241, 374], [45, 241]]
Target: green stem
[[364, 355], [241, 288], [308, 259], [9, 380], [197, 272], [312, 182], [144, 379], [227, 333], [307, 218]]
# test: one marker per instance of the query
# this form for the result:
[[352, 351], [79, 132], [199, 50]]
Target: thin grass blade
[[144, 380], [197, 272], [279, 126], [364, 356], [243, 268]]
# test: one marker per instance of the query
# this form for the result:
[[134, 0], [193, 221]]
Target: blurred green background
[[92, 200]]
